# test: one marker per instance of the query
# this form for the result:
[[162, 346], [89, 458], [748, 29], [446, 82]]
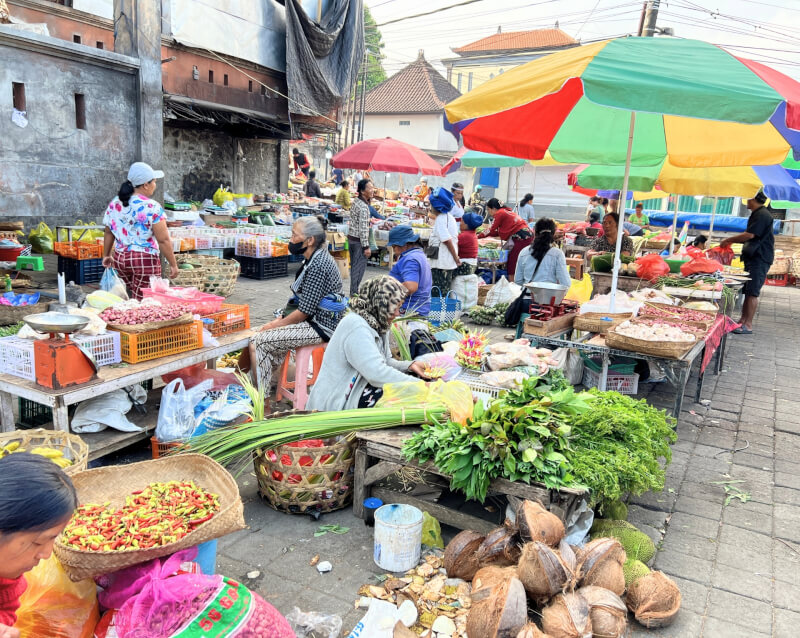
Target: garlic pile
[[655, 332]]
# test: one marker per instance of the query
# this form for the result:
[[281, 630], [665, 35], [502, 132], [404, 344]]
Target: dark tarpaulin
[[322, 60]]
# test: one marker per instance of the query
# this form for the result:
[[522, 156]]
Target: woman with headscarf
[[358, 361], [442, 251]]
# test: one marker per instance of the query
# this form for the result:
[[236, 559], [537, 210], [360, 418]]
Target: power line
[[587, 19]]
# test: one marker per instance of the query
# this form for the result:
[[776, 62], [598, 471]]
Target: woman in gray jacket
[[358, 361]]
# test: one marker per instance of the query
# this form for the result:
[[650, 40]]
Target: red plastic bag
[[694, 252], [725, 255], [700, 266], [192, 375], [651, 267]]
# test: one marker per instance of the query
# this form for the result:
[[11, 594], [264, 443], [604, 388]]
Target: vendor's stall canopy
[[696, 106], [386, 154]]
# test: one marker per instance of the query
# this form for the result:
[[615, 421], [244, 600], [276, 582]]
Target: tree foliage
[[374, 43]]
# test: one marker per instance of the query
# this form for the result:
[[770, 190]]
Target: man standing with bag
[[758, 254]]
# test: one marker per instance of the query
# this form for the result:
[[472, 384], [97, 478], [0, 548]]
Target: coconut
[[654, 600], [460, 557], [542, 571], [601, 565], [567, 616], [499, 606], [531, 631], [500, 547], [537, 524], [607, 611]]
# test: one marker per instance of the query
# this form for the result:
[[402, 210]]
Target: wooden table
[[379, 455], [109, 378]]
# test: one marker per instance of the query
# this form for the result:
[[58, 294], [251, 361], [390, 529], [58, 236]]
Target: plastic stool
[[298, 393], [36, 263]]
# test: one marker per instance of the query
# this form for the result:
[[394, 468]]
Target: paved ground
[[738, 566]]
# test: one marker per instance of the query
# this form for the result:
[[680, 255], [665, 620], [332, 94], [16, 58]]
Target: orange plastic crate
[[78, 249], [231, 318], [163, 449], [145, 346]]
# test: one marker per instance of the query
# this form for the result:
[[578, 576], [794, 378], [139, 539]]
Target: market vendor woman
[[607, 243], [36, 502], [358, 362], [314, 310], [507, 225], [136, 231], [411, 269]]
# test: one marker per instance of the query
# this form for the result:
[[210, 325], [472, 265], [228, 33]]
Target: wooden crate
[[546, 328]]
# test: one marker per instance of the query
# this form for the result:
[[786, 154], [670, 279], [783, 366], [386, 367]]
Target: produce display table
[[379, 455], [678, 371], [109, 378]]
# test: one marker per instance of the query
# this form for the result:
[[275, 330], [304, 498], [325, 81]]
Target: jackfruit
[[634, 570], [602, 524], [637, 545], [616, 510]]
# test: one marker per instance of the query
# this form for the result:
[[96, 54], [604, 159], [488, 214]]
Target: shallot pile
[[675, 323], [145, 314], [656, 332], [684, 314]]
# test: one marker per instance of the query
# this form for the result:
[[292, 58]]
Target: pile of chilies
[[160, 514]]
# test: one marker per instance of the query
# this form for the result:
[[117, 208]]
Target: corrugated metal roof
[[519, 41]]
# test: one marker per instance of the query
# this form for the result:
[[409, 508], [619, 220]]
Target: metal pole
[[363, 98], [621, 228], [711, 225], [674, 226]]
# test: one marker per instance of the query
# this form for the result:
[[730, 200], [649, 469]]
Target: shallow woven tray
[[482, 292], [70, 444], [712, 315], [594, 322], [317, 489], [698, 328], [151, 325], [9, 315], [666, 349], [654, 244], [115, 482], [780, 266]]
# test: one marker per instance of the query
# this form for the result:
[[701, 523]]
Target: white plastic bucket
[[398, 537]]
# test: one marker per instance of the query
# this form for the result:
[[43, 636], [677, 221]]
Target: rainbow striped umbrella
[[695, 104]]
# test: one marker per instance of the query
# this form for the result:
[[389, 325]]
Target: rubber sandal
[[742, 331]]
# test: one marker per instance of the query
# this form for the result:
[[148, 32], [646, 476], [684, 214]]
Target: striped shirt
[[359, 221]]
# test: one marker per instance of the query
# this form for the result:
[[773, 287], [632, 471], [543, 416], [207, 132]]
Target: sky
[[764, 30]]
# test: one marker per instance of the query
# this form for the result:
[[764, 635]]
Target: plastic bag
[[700, 266], [431, 531], [192, 375], [102, 299], [465, 288], [108, 411], [54, 606], [454, 395], [570, 363], [221, 195], [312, 624], [502, 292], [580, 291], [223, 410], [176, 420], [725, 255], [164, 603], [651, 267], [112, 282], [41, 239], [441, 360]]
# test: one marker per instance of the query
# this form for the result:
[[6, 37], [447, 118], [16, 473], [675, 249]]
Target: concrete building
[[94, 85]]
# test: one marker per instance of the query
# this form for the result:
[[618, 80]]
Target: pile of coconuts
[[577, 591]]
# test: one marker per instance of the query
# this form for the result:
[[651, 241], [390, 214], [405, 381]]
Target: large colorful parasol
[[695, 104], [386, 154]]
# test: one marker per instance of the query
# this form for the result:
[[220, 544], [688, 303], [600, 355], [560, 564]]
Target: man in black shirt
[[311, 188], [758, 253]]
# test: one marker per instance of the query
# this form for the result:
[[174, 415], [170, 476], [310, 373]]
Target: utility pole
[[363, 97], [650, 18]]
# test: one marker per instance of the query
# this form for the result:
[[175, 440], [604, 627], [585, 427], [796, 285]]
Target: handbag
[[432, 252], [443, 309], [517, 307]]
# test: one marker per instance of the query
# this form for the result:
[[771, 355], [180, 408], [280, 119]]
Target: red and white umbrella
[[387, 155]]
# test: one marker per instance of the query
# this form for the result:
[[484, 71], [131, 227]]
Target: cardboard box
[[336, 241]]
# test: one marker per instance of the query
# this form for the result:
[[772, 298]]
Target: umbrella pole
[[674, 226], [618, 248], [711, 225]]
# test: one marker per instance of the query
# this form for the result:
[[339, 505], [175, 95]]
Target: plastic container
[[230, 318], [622, 383], [675, 264], [78, 250], [370, 505], [33, 415], [265, 268], [16, 358], [257, 246], [200, 302], [105, 348], [144, 346], [81, 271], [207, 557], [162, 449], [10, 254], [398, 537]]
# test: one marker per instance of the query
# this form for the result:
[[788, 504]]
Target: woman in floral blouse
[[136, 231]]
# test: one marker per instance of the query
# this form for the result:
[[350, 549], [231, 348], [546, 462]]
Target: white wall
[[424, 131]]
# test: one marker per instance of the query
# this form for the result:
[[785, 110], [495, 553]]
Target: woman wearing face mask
[[312, 313], [358, 361], [36, 502]]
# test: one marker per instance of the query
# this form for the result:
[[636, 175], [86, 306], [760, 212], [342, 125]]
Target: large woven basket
[[9, 315], [666, 349], [643, 312], [70, 445], [221, 277], [598, 322], [482, 292], [796, 264], [297, 480], [115, 482], [780, 266], [656, 244]]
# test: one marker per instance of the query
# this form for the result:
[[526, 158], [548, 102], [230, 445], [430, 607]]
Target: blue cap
[[402, 235], [472, 220], [372, 503], [441, 200]]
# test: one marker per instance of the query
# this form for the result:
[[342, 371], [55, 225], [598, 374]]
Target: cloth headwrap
[[377, 300]]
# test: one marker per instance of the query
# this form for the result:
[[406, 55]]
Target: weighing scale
[[59, 362]]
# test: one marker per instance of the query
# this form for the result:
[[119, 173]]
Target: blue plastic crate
[[81, 271]]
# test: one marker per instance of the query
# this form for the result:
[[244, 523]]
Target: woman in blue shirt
[[542, 261], [526, 209], [411, 269]]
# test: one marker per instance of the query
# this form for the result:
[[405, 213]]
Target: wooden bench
[[378, 456]]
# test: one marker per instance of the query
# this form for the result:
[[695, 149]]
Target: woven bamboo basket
[[71, 445], [599, 322], [655, 244], [194, 278], [666, 349], [115, 482], [698, 328], [796, 264], [221, 277], [482, 292], [151, 325], [712, 316], [781, 266], [298, 480], [9, 315]]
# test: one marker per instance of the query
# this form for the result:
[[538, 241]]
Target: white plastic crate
[[622, 383], [16, 357], [481, 390], [203, 243], [105, 348], [218, 241], [254, 246]]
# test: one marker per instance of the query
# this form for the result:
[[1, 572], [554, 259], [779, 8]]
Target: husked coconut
[[607, 611], [601, 565], [461, 557], [567, 616], [499, 606], [500, 547], [654, 600], [537, 524], [542, 571]]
